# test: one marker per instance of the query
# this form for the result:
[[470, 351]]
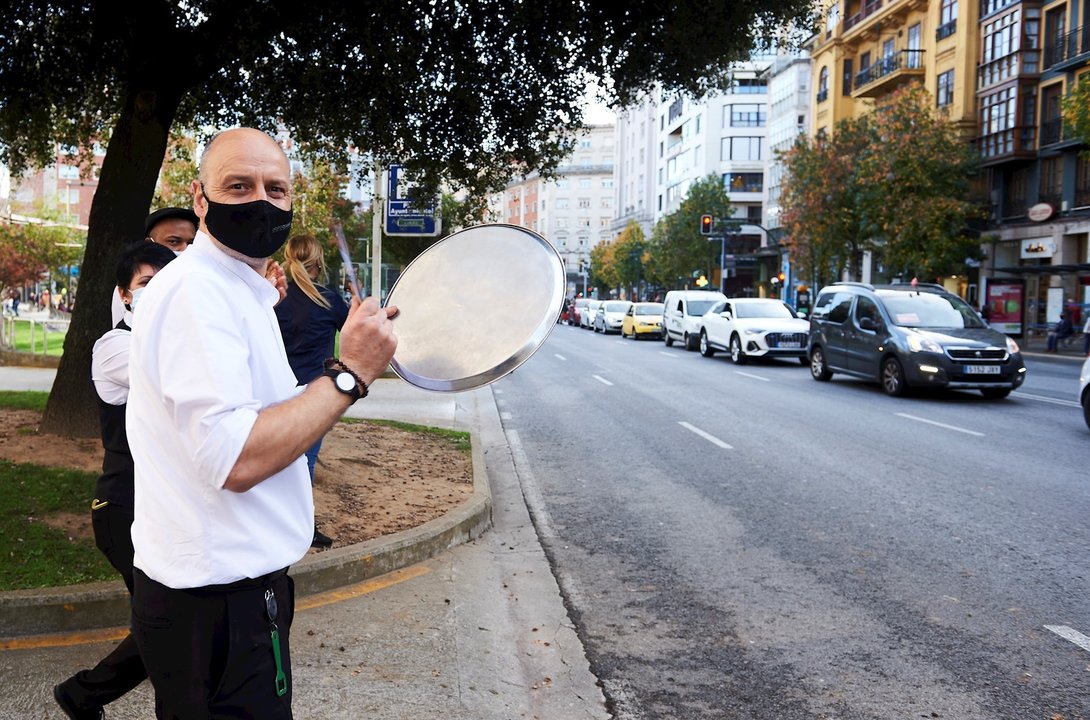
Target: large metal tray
[[474, 306]]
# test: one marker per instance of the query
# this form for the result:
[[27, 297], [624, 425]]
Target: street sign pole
[[376, 232]]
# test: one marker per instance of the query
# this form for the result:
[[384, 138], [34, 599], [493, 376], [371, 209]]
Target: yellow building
[[998, 69]]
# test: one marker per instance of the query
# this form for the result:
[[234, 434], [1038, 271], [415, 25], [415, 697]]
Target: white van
[[682, 312]]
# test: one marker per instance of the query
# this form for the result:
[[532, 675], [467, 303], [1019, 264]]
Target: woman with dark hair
[[310, 316]]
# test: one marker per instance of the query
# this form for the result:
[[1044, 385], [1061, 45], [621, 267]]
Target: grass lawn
[[38, 555], [45, 336]]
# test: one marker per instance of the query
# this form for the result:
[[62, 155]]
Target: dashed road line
[[751, 375], [1042, 398], [1071, 634], [601, 379], [710, 438], [939, 424], [559, 356]]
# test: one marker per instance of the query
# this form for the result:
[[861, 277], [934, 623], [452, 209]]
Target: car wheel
[[1000, 393], [705, 349], [667, 339], [817, 364], [893, 377], [737, 355], [691, 342]]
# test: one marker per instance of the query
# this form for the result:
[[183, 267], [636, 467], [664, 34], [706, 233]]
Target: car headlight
[[753, 331], [918, 343], [1012, 346]]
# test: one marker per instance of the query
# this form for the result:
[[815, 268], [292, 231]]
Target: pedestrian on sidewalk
[[218, 430], [1062, 331], [310, 317], [84, 694]]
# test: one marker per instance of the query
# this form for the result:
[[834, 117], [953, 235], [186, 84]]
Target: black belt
[[244, 584]]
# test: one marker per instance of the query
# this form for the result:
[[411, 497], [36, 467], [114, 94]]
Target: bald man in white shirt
[[218, 431]]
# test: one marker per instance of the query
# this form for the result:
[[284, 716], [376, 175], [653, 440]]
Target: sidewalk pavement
[[1037, 345], [451, 619]]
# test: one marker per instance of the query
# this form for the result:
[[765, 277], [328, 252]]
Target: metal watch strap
[[334, 363]]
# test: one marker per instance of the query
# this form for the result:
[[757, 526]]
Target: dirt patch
[[371, 479]]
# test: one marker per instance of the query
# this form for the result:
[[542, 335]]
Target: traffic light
[[705, 224]]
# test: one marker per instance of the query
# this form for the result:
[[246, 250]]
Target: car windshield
[[930, 310], [774, 309], [647, 309], [616, 307], [699, 307]]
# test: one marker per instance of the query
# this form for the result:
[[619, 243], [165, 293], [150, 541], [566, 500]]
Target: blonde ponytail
[[302, 253]]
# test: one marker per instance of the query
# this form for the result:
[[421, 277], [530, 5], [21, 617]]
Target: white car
[[610, 316], [586, 315], [1084, 390], [754, 327]]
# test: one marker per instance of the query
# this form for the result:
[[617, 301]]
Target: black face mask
[[255, 229]]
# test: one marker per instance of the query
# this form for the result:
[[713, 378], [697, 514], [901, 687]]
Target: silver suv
[[905, 336]]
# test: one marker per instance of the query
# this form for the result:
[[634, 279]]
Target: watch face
[[345, 382]]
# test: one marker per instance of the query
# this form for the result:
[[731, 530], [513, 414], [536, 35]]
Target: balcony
[[1072, 50], [868, 9], [1009, 66], [823, 95], [946, 30], [1017, 143], [888, 73]]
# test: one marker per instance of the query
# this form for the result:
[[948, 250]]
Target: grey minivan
[[904, 335]]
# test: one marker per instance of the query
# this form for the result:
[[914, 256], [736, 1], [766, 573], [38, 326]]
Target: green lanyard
[[274, 633]]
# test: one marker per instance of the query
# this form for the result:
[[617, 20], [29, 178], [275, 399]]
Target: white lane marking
[[1070, 634], [668, 354], [498, 391], [751, 375], [560, 356], [601, 380], [1042, 398], [505, 416], [710, 438], [939, 424]]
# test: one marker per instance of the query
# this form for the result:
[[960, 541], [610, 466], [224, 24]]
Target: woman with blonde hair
[[310, 316]]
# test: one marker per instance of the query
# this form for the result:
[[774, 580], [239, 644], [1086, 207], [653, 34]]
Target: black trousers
[[121, 670], [209, 651]]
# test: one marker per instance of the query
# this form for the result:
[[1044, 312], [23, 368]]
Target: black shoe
[[321, 540], [74, 711]]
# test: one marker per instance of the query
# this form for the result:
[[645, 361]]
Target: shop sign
[[1040, 212], [1038, 248]]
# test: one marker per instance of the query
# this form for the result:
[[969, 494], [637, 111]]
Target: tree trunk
[[122, 200]]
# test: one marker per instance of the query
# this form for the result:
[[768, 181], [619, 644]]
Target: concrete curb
[[106, 604]]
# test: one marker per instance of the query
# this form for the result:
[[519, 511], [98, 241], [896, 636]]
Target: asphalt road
[[745, 542]]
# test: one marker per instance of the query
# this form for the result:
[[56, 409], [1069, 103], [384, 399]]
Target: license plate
[[790, 344], [982, 369]]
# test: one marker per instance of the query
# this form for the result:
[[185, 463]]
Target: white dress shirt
[[110, 364], [117, 309], [206, 357]]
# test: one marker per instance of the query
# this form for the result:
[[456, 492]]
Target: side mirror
[[869, 324]]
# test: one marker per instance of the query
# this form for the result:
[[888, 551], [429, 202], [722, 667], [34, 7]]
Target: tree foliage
[[178, 171], [1076, 112], [894, 182], [677, 248], [464, 93], [29, 251]]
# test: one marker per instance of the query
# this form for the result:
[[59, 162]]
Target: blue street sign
[[402, 217]]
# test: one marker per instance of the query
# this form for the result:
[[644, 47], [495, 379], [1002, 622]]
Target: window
[[846, 79], [562, 203], [753, 213], [607, 184], [561, 222], [1052, 175], [823, 84], [606, 202], [584, 183], [745, 86], [747, 115], [584, 202], [834, 306], [944, 94], [68, 172], [744, 182], [866, 308], [949, 12], [742, 148]]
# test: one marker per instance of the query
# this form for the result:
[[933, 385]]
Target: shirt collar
[[262, 288]]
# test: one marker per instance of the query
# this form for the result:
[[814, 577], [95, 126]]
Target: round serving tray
[[474, 306]]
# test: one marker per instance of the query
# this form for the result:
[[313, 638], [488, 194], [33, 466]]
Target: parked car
[[681, 315], [643, 319], [1084, 390], [586, 318], [754, 327], [610, 316], [905, 336], [576, 311]]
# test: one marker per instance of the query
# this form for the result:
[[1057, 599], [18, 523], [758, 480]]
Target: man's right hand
[[368, 341]]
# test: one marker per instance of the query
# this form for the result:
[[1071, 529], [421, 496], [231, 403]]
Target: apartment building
[[997, 69], [574, 211], [59, 187], [634, 167]]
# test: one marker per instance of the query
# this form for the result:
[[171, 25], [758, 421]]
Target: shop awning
[[1045, 269]]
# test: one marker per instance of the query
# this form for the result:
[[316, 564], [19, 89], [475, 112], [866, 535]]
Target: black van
[[904, 335]]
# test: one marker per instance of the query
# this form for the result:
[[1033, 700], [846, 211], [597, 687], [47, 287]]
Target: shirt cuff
[[223, 444]]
